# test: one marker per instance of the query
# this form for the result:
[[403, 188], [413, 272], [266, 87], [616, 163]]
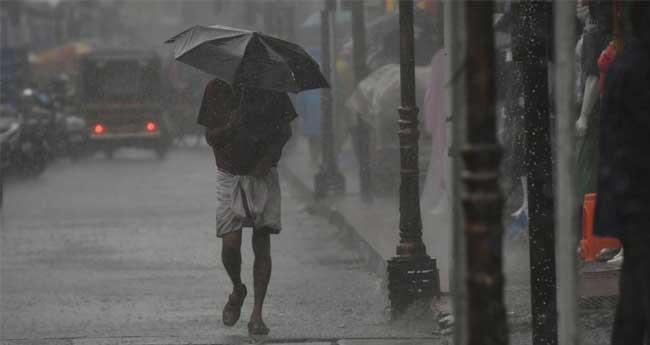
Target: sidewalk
[[225, 341], [373, 227]]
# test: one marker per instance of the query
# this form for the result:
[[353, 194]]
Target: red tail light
[[151, 127], [99, 129]]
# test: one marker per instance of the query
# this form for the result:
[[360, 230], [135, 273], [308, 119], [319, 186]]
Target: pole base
[[410, 280], [328, 181]]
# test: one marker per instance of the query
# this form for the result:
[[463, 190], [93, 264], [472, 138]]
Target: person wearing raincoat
[[623, 205]]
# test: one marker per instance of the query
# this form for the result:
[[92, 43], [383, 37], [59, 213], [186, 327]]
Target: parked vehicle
[[22, 136], [71, 132], [8, 128], [120, 94], [76, 134]]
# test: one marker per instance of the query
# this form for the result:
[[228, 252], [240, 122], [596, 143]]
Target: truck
[[120, 97]]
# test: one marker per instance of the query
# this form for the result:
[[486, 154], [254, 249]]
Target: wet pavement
[[123, 251], [370, 223]]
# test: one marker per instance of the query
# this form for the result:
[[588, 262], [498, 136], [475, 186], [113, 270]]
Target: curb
[[171, 340]]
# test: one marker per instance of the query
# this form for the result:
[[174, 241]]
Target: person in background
[[597, 33], [623, 205]]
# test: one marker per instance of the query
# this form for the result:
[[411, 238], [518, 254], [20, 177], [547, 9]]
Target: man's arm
[[220, 123], [219, 135]]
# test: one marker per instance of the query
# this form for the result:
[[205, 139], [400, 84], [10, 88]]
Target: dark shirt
[[624, 168], [262, 128]]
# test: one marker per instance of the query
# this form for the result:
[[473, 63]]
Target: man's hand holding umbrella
[[215, 135]]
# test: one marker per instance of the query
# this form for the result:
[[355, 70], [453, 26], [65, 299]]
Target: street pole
[[530, 41], [412, 274], [359, 50], [454, 31], [328, 179], [482, 199], [565, 210]]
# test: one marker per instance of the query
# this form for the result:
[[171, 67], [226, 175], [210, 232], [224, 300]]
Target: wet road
[[126, 248]]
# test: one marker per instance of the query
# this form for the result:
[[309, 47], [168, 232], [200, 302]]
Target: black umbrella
[[248, 59]]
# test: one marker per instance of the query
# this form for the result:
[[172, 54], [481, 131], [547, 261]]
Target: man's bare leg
[[262, 276], [231, 258]]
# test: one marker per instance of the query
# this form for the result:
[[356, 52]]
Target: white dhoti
[[267, 213]]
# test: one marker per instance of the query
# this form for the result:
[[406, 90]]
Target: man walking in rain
[[247, 130], [623, 207]]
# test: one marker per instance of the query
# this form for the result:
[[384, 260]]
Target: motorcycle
[[22, 139], [76, 136], [8, 128], [70, 128], [65, 133], [68, 133]]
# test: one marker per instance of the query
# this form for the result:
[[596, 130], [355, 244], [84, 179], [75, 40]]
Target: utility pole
[[530, 42], [359, 51], [482, 200], [565, 210], [412, 274], [328, 179], [454, 40]]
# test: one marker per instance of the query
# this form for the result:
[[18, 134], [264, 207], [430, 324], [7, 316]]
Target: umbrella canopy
[[341, 18], [383, 39], [378, 96], [248, 58]]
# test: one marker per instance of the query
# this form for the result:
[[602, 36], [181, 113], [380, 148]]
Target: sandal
[[257, 327], [232, 310]]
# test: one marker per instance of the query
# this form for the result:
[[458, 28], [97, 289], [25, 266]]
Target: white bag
[[249, 197]]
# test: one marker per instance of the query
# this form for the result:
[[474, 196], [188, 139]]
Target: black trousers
[[632, 320]]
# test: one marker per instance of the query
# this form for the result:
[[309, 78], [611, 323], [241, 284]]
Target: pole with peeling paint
[[328, 179], [482, 199]]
